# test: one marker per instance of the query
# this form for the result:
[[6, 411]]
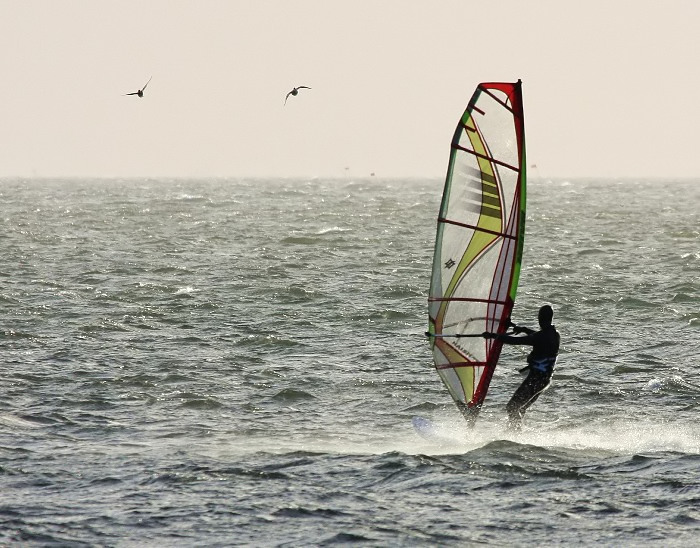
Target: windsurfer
[[540, 362]]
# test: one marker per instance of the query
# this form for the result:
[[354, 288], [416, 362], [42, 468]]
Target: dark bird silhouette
[[294, 92], [140, 92]]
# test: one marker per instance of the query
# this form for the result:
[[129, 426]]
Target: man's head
[[545, 315]]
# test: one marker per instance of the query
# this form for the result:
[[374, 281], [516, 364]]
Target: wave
[[291, 395], [674, 384], [266, 341], [601, 438], [331, 230]]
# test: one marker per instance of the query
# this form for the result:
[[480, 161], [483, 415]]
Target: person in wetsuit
[[540, 362]]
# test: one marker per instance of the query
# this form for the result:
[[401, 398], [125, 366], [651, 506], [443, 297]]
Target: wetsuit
[[541, 361]]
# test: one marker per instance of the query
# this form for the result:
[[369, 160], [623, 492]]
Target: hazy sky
[[610, 87]]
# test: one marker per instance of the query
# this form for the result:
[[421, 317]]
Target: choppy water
[[236, 362]]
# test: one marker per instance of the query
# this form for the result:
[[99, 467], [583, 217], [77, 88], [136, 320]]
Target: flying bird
[[294, 92], [140, 92]]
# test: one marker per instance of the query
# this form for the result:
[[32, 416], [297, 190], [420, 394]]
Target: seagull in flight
[[140, 92], [294, 92]]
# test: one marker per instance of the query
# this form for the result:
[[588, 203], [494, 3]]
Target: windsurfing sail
[[479, 243]]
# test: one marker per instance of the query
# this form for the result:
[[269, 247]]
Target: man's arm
[[517, 329], [509, 339]]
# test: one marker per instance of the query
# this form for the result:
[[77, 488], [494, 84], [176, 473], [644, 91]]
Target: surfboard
[[428, 430]]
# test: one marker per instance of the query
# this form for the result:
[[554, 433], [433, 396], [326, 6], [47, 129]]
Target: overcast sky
[[610, 87]]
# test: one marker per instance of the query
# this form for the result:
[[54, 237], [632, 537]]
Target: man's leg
[[515, 405], [526, 394]]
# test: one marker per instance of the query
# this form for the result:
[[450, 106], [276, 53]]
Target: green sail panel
[[479, 242]]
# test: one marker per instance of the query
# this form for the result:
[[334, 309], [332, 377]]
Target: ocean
[[236, 362]]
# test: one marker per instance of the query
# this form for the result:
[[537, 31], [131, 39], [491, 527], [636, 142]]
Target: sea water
[[237, 362]]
